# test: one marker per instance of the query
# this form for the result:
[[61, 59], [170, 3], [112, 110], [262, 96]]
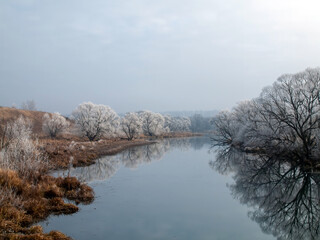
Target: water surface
[[162, 191]]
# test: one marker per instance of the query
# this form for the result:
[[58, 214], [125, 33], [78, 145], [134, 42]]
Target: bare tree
[[29, 105], [272, 145], [54, 124], [226, 128], [284, 118], [200, 123], [21, 153], [11, 130], [177, 124], [95, 121], [152, 123], [131, 125]]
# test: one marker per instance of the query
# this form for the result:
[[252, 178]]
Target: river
[[166, 191]]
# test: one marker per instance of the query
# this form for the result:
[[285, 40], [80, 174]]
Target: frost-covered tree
[[237, 126], [292, 105], [285, 118], [167, 122], [18, 129], [131, 125], [152, 123], [225, 128], [200, 123], [95, 121], [177, 124], [272, 146], [54, 124], [21, 153], [29, 105]]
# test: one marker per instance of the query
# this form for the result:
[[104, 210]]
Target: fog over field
[[156, 55]]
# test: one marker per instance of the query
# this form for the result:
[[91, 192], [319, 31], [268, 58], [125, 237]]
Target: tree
[[54, 124], [225, 128], [21, 128], [152, 123], [29, 105], [21, 153], [285, 118], [177, 124], [131, 125], [292, 104], [272, 146], [95, 121], [200, 123]]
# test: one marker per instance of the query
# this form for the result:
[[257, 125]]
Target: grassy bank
[[77, 151], [25, 202], [63, 152]]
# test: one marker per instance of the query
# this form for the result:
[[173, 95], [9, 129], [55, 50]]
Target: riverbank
[[77, 152], [25, 202], [64, 153]]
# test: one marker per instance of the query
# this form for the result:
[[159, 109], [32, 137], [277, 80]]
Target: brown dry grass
[[62, 152], [37, 202], [7, 114], [180, 134]]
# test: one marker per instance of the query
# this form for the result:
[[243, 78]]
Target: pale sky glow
[[157, 55]]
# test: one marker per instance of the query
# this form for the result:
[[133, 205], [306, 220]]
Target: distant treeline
[[200, 123], [206, 114]]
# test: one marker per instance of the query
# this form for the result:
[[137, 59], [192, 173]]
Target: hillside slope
[[7, 114]]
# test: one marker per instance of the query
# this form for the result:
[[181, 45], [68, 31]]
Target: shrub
[[20, 153], [54, 124]]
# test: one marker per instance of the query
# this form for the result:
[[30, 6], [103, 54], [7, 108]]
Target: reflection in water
[[285, 197], [133, 157], [107, 166]]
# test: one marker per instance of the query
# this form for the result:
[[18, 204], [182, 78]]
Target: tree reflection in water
[[107, 166], [135, 156], [285, 197]]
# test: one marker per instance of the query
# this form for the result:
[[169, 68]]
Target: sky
[[167, 55]]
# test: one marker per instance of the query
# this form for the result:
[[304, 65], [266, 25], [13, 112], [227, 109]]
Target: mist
[[161, 56]]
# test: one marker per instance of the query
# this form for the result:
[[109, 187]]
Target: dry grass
[[33, 203], [63, 152], [180, 134], [7, 114], [77, 151]]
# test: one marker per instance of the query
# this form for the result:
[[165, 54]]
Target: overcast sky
[[157, 55]]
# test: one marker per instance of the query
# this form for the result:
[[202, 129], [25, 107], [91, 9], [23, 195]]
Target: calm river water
[[165, 191]]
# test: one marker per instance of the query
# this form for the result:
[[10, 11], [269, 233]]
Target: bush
[[54, 124], [20, 153]]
